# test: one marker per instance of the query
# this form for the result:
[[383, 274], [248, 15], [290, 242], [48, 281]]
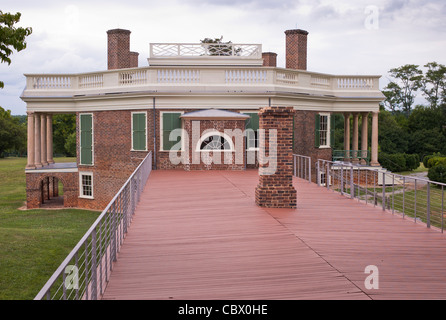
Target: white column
[[364, 135], [30, 141], [37, 136], [374, 157], [346, 135], [43, 139], [355, 143], [49, 138]]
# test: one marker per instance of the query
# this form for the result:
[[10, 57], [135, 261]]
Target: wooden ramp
[[199, 235]]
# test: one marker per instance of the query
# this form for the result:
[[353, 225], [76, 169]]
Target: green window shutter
[[317, 126], [139, 131], [332, 130], [252, 123], [171, 121], [86, 139]]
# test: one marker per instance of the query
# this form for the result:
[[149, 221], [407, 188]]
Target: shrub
[[398, 162], [437, 173], [428, 157], [435, 161]]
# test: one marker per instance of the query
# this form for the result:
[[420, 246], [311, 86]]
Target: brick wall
[[304, 139], [296, 49], [276, 190], [113, 159]]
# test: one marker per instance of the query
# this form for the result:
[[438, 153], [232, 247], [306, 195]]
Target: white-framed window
[[86, 185], [139, 131], [215, 141], [324, 130], [169, 121]]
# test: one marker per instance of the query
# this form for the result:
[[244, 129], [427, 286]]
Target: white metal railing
[[85, 272], [169, 50], [302, 167], [419, 199], [236, 76]]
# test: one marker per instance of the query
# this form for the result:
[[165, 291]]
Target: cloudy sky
[[345, 37]]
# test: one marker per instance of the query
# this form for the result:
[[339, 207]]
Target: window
[[169, 122], [323, 130], [139, 131], [86, 185], [252, 135], [324, 127], [86, 138], [215, 141]]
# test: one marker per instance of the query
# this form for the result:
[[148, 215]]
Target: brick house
[[203, 92]]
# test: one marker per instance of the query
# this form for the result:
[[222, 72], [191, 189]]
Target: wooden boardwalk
[[199, 235]]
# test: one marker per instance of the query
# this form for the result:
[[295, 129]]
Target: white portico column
[[355, 143], [346, 136], [30, 141], [43, 139], [364, 136], [37, 136], [374, 157], [49, 138]]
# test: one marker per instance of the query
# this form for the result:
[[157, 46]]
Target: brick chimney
[[269, 59], [118, 50], [134, 59], [296, 49]]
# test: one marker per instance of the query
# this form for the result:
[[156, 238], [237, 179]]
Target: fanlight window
[[215, 142]]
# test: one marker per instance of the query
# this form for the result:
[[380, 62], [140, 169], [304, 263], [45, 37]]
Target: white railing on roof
[[204, 75], [171, 50]]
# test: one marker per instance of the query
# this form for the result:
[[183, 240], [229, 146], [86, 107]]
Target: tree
[[12, 132], [434, 84], [401, 91], [11, 37], [64, 125]]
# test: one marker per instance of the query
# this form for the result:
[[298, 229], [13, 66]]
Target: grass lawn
[[32, 243]]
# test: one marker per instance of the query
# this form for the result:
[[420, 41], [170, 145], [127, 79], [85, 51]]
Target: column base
[[50, 161], [374, 164], [30, 166], [276, 197]]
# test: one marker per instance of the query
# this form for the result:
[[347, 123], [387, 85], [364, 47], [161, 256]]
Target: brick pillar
[[296, 49], [269, 59], [275, 189], [118, 49]]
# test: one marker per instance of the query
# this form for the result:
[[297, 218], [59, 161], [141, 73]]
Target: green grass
[[421, 168], [33, 243]]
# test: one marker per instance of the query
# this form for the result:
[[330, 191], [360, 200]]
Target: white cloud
[[70, 36]]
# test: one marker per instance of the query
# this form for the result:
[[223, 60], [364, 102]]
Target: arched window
[[215, 141]]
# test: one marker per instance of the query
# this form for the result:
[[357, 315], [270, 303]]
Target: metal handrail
[[84, 273], [302, 167], [408, 196]]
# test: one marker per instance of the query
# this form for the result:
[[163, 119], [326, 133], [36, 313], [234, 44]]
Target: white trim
[[81, 195], [51, 170], [161, 148], [215, 133], [131, 121], [92, 139], [327, 145]]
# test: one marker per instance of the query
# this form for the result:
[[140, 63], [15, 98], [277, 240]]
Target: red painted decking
[[199, 235]]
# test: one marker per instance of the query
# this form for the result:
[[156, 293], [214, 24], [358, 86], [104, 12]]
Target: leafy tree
[[392, 138], [64, 125], [401, 91], [11, 37], [434, 84], [12, 133]]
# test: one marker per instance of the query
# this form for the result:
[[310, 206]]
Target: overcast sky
[[345, 37]]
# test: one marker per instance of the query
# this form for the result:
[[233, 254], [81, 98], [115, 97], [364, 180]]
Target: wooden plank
[[199, 235]]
